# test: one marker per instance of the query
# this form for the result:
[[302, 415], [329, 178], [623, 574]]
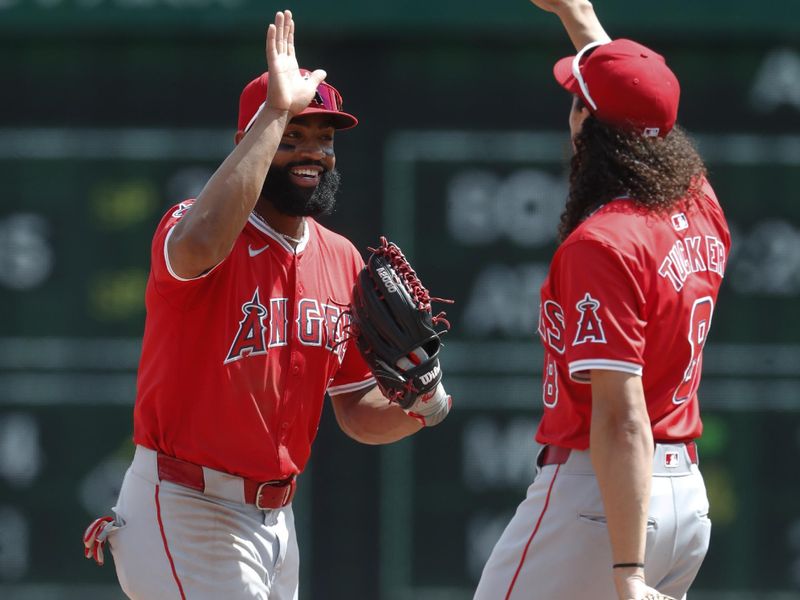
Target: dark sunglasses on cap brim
[[326, 98]]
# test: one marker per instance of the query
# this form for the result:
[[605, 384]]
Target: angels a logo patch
[[590, 326], [250, 339]]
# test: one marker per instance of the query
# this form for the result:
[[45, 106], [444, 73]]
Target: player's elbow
[[355, 428], [363, 436], [366, 418]]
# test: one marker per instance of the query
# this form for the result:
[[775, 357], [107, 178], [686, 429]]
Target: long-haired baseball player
[[618, 508], [244, 336]]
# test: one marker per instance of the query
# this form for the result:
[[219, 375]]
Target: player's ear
[[238, 137]]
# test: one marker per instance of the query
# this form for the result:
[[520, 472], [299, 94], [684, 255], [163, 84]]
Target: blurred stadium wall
[[112, 110]]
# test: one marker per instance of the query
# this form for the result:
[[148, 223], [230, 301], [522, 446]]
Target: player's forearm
[[580, 22], [371, 419], [622, 457], [621, 446], [205, 236]]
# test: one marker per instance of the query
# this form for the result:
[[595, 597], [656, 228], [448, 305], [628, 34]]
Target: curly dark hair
[[658, 173]]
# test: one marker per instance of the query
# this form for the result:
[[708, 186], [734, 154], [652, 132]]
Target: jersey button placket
[[295, 357]]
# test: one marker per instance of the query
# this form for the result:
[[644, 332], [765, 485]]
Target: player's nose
[[314, 150]]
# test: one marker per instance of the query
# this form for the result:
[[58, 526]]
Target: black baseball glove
[[396, 333]]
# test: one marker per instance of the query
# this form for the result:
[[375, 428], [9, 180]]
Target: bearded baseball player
[[618, 508], [247, 314]]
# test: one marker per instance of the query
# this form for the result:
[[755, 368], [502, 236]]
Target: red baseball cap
[[624, 84], [327, 100]]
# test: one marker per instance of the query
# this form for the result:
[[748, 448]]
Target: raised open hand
[[552, 5], [289, 89], [578, 18]]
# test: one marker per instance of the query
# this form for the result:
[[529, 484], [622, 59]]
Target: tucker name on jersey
[[695, 254]]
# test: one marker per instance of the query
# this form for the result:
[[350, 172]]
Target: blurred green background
[[113, 110]]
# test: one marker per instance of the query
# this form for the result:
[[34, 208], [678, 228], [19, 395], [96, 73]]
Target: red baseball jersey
[[235, 363], [634, 291]]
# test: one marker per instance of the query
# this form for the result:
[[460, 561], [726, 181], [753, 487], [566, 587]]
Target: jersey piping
[[351, 387], [579, 369], [169, 264], [533, 534], [259, 223]]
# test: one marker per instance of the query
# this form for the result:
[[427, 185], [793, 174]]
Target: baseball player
[[618, 508], [243, 338]]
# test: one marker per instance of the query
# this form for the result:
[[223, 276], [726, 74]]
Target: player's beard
[[296, 201]]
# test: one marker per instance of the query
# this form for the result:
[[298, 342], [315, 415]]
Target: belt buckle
[[275, 483]]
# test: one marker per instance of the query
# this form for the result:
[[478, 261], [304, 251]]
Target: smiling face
[[302, 180]]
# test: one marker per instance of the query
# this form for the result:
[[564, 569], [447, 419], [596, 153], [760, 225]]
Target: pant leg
[[286, 583], [556, 545], [692, 536], [179, 544], [142, 564]]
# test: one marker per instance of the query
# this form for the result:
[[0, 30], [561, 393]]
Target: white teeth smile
[[305, 172]]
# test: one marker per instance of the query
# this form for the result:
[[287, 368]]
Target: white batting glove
[[94, 538], [431, 409]]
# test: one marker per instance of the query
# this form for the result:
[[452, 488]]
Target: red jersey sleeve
[[353, 375], [167, 283], [603, 308]]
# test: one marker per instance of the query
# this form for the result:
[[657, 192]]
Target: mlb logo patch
[[680, 222], [671, 459]]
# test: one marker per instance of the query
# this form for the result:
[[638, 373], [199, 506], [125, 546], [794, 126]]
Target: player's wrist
[[624, 571], [276, 113], [628, 565], [432, 407], [628, 580]]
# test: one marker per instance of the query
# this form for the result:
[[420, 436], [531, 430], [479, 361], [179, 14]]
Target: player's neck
[[290, 227]]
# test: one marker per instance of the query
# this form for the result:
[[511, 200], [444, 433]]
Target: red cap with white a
[[624, 84], [327, 100]]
